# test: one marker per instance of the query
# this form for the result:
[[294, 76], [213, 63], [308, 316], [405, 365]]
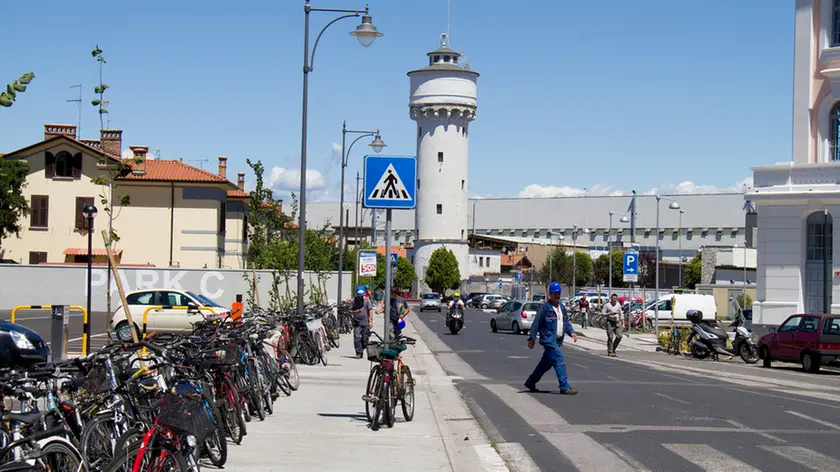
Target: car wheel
[[811, 362], [764, 353], [493, 326], [483, 306], [515, 328], [123, 331]]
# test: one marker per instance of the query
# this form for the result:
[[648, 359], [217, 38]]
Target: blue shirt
[[546, 325]]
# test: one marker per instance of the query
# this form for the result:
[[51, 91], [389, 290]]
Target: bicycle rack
[[85, 321]]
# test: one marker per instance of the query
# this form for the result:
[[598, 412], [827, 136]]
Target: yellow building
[[178, 215]]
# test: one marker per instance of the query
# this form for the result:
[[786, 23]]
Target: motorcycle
[[708, 339], [455, 319]]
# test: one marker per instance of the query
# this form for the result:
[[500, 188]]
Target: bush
[[664, 338]]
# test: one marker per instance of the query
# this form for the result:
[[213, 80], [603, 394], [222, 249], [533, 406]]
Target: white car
[[164, 320]]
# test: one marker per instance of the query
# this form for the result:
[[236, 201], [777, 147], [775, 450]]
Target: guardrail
[[85, 321]]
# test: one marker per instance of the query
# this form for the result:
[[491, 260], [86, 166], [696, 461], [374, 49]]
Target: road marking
[[79, 339], [581, 450], [748, 429], [490, 459], [709, 458], [518, 357], [578, 365], [516, 458], [670, 398], [615, 379], [815, 420], [627, 458], [805, 457]]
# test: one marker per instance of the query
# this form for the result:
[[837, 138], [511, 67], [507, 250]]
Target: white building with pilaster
[[797, 261], [443, 103]]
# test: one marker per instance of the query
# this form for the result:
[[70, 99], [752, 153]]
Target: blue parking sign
[[631, 266]]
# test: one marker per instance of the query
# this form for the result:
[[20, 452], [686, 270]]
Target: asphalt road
[[40, 322], [642, 411]]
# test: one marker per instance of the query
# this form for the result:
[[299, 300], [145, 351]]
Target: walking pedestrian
[[612, 311], [583, 306], [551, 338], [397, 311], [362, 311]]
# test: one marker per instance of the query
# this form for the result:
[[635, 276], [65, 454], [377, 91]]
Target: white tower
[[443, 102]]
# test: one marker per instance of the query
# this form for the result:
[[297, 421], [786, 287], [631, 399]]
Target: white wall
[[479, 267]]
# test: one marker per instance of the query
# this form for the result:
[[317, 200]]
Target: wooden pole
[[256, 288], [116, 274]]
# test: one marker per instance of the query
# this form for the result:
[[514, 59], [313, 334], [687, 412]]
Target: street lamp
[[624, 219], [377, 145], [89, 212], [575, 230], [551, 258], [366, 33], [673, 206], [679, 242]]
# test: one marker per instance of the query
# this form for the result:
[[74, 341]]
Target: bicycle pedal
[[369, 398]]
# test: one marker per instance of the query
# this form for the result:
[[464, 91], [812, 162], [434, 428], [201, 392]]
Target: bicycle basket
[[373, 351], [186, 414], [228, 355], [96, 380]]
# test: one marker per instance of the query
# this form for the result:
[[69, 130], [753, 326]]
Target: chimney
[[51, 131], [240, 181], [111, 141], [223, 167], [269, 195], [139, 153]]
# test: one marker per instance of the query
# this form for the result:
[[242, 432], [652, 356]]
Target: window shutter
[[77, 166], [80, 218], [49, 165]]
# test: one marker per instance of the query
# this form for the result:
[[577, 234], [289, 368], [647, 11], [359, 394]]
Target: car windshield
[[204, 300], [429, 296]]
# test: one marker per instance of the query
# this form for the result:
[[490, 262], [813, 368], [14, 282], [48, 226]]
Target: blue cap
[[400, 325], [555, 288], [360, 290]]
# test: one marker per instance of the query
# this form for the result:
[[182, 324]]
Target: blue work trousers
[[552, 357]]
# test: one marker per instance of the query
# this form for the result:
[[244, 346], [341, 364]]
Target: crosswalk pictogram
[[389, 187]]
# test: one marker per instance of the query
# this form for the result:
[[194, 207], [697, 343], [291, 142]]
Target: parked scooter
[[708, 339], [455, 319]]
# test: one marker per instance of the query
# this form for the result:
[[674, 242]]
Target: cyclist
[[362, 311], [552, 324]]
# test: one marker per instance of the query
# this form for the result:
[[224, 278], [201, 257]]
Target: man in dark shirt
[[362, 311]]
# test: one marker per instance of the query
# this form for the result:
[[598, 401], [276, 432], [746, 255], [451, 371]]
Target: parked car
[[539, 298], [430, 301], [516, 316], [498, 302], [165, 320], [473, 298], [20, 346], [812, 339], [491, 301], [683, 303]]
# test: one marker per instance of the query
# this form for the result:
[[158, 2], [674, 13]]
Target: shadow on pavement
[[357, 416]]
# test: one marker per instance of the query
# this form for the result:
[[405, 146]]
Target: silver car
[[516, 316], [430, 301]]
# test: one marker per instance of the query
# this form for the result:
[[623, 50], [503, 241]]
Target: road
[[641, 411], [39, 321]]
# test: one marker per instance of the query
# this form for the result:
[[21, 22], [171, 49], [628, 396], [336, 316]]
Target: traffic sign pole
[[387, 275]]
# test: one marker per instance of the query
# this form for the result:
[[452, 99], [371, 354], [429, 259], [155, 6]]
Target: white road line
[[615, 379], [490, 459], [805, 457], [584, 452], [79, 339], [578, 365], [709, 458], [516, 458], [670, 398], [518, 357], [627, 458], [815, 420], [747, 428]]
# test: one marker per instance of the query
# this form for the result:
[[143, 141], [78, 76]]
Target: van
[[678, 304]]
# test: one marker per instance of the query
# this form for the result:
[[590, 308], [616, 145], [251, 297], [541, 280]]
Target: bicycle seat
[[30, 417]]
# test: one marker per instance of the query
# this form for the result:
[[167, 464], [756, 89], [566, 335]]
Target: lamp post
[[377, 145], [366, 33], [679, 242], [575, 230], [673, 206], [89, 213], [624, 219]]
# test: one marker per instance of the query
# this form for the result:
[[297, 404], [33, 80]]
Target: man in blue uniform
[[546, 324]]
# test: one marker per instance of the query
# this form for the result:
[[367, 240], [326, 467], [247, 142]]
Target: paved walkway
[[322, 427], [596, 338]]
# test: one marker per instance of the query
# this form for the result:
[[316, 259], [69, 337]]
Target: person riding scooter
[[455, 315]]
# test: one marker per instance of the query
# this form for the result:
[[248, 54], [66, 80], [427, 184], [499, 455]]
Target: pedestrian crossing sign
[[390, 182]]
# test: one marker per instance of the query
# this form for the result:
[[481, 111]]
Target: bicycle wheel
[[60, 457], [322, 348], [289, 369], [255, 392], [372, 387], [215, 446], [390, 400], [235, 421], [161, 458], [242, 392], [98, 444], [407, 393]]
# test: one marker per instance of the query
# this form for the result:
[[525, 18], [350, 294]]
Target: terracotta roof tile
[[238, 194], [510, 260], [401, 251], [174, 171], [80, 251]]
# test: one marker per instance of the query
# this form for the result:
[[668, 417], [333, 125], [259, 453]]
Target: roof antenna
[[448, 16], [79, 101]]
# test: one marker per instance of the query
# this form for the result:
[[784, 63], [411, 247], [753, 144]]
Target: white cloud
[[289, 179], [683, 188], [336, 149]]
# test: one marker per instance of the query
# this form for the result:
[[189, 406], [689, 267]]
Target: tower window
[[418, 183], [439, 209], [437, 58], [462, 184], [834, 140], [445, 58], [462, 234], [440, 157], [419, 131], [835, 25]]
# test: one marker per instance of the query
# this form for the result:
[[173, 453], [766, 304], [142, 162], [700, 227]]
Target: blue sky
[[605, 95]]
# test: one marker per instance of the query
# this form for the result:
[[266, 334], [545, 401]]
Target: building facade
[[176, 215], [443, 103]]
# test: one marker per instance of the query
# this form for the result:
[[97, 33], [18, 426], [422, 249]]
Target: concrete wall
[[479, 264], [66, 285]]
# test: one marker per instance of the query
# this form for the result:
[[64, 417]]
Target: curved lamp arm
[[311, 65], [347, 154]]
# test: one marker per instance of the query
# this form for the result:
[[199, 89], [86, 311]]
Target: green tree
[[584, 269], [18, 86], [443, 272], [558, 267], [100, 89], [13, 205], [601, 270], [692, 271], [405, 274]]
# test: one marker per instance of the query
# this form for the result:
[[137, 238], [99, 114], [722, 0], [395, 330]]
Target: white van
[[680, 303]]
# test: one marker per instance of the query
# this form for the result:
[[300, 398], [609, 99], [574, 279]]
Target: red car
[[812, 339]]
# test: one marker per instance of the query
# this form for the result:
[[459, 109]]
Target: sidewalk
[[322, 426], [595, 338]]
